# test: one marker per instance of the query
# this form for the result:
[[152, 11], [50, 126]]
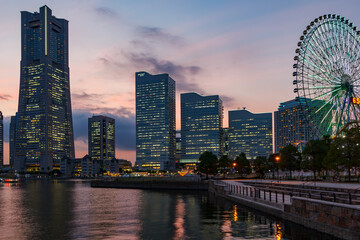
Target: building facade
[[1, 140], [250, 133], [101, 138], [12, 136], [201, 126], [155, 122], [44, 125], [290, 125]]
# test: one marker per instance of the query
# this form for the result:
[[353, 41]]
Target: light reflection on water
[[74, 210]]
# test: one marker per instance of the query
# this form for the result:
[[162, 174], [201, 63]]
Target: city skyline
[[241, 43]]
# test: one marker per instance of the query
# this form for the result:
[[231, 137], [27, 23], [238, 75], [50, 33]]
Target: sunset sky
[[240, 50]]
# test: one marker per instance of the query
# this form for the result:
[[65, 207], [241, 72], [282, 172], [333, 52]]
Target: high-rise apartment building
[[250, 133], [12, 136], [101, 140], [201, 126], [290, 125], [1, 140], [155, 121], [44, 126]]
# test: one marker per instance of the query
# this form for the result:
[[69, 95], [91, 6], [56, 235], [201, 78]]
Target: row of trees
[[324, 154], [210, 164]]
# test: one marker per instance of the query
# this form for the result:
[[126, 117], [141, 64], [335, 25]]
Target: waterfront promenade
[[332, 208]]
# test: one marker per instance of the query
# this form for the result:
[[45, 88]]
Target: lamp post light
[[277, 159]]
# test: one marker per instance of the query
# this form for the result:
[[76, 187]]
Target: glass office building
[[101, 140], [201, 126], [250, 133], [155, 122], [12, 135], [44, 124], [290, 125]]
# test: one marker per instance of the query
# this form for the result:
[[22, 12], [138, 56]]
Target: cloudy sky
[[241, 50]]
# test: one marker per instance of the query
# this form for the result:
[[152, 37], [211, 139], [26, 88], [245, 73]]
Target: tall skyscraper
[[1, 140], [12, 136], [201, 126], [155, 121], [250, 133], [290, 125], [101, 139], [45, 131]]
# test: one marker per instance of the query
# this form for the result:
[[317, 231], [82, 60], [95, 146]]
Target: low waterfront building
[[70, 167], [116, 166], [90, 167]]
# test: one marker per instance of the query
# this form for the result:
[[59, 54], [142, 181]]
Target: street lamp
[[277, 159]]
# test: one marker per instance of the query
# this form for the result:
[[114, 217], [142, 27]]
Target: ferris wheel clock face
[[327, 74]]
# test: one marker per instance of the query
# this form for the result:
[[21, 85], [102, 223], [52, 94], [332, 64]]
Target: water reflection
[[73, 210]]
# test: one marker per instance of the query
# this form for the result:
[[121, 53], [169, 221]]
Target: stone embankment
[[341, 220], [154, 183]]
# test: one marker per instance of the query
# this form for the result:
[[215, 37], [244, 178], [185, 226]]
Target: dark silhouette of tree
[[208, 163], [290, 159], [345, 151], [224, 164], [242, 164], [314, 154], [261, 166]]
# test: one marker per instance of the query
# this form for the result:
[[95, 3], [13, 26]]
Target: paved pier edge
[[292, 212]]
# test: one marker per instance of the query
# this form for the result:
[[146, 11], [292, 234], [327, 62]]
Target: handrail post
[[349, 198], [276, 200]]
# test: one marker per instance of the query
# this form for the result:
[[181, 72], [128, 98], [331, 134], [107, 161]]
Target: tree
[[314, 153], [345, 151], [224, 164], [261, 166], [290, 158], [208, 163], [242, 164]]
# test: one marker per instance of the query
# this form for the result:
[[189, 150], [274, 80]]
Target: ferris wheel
[[327, 74]]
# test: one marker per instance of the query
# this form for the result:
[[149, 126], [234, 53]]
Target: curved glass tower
[[45, 132]]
